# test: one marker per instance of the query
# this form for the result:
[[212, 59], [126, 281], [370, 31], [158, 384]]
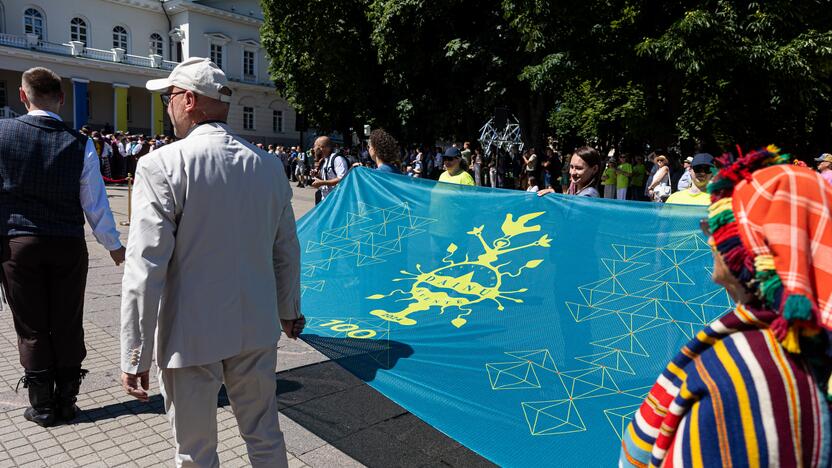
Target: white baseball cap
[[197, 74]]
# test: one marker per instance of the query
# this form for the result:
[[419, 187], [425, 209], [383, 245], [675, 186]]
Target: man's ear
[[23, 98], [190, 100]]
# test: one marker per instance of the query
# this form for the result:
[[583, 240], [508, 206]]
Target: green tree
[[707, 73], [747, 72], [449, 63], [322, 64]]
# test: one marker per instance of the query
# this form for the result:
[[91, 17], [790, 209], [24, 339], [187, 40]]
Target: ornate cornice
[[178, 6]]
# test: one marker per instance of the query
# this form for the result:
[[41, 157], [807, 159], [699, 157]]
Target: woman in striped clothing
[[752, 388]]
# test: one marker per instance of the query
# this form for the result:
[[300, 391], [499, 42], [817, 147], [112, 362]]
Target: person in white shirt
[[212, 273], [333, 169], [686, 181]]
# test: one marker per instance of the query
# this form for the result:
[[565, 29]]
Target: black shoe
[[41, 385], [39, 418], [67, 385]]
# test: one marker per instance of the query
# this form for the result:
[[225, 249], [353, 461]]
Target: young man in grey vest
[[49, 181]]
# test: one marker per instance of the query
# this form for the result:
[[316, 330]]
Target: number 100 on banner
[[352, 330]]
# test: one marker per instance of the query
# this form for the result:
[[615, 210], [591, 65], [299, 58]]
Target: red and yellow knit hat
[[772, 224]]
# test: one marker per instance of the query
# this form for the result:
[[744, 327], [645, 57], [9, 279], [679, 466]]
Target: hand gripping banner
[[527, 328]]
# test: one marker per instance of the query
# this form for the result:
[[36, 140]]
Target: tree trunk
[[532, 117]]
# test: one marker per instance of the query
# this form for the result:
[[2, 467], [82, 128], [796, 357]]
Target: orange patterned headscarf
[[772, 223]]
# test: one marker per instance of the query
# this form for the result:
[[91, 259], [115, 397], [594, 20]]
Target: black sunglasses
[[702, 169], [166, 97]]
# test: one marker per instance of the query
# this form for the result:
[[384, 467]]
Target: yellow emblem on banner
[[462, 284]]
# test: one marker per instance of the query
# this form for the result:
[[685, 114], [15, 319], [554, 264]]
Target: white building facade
[[105, 51]]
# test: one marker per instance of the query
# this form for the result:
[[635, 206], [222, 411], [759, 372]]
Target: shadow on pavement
[[155, 405], [333, 401], [339, 407]]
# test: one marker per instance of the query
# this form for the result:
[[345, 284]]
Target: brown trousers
[[44, 279]]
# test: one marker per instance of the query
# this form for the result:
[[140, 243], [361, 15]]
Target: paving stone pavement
[[114, 429]]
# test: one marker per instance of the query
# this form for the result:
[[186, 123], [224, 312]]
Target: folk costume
[[49, 182], [751, 389]]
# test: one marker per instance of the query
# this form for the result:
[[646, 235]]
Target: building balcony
[[77, 49], [249, 81]]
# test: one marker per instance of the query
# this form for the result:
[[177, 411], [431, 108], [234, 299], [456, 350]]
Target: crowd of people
[[119, 152], [657, 176]]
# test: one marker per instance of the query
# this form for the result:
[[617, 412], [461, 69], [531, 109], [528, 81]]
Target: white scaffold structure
[[494, 139]]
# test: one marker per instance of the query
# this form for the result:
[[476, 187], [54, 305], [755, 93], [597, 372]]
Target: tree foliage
[[710, 73], [317, 62]]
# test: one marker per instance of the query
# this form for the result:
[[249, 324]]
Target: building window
[[78, 30], [119, 38], [216, 54], [248, 64], [4, 100], [33, 22], [277, 121], [129, 109], [248, 118], [157, 45]]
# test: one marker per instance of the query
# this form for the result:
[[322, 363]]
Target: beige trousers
[[191, 404]]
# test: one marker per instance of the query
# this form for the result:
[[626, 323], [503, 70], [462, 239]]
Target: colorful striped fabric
[[785, 213], [732, 397]]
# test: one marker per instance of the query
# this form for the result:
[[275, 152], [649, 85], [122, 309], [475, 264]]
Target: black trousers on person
[[44, 279]]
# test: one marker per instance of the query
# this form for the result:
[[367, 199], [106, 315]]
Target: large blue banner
[[527, 328]]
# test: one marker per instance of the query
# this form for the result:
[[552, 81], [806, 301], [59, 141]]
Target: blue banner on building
[[80, 104], [527, 328]]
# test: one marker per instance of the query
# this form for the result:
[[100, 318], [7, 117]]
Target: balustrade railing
[[138, 60], [51, 47], [98, 54], [77, 49], [14, 41]]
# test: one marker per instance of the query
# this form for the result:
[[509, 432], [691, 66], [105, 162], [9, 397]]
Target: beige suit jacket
[[212, 258]]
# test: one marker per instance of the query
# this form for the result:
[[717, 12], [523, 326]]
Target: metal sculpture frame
[[494, 139]]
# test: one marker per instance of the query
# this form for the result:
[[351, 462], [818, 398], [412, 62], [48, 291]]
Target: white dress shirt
[[333, 167], [94, 195]]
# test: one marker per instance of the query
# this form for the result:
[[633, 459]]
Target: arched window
[[120, 38], [33, 22], [78, 30], [157, 44]]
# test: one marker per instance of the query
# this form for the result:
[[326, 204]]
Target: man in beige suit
[[212, 273]]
